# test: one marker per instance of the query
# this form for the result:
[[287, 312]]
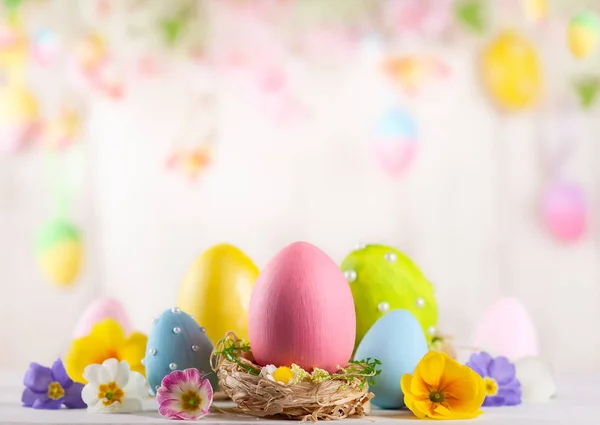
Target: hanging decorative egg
[[397, 341], [19, 119], [301, 311], [564, 211], [45, 47], [394, 141], [64, 130], [383, 279], [91, 52], [13, 45], [583, 34], [100, 310], [511, 71], [177, 342], [506, 329], [216, 291], [60, 252]]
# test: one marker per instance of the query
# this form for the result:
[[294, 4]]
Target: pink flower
[[184, 395]]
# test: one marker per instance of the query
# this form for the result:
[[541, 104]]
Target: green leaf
[[12, 4], [587, 91], [471, 14], [172, 30]]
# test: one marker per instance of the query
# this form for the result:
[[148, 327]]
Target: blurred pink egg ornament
[[19, 118], [564, 211], [63, 130], [394, 144], [507, 330], [302, 311], [99, 310], [45, 47]]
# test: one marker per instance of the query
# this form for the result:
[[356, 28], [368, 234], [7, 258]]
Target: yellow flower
[[442, 388], [106, 341]]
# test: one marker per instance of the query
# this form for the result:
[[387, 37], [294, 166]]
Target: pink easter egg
[[564, 211], [302, 311], [394, 154], [18, 137], [507, 330], [99, 310]]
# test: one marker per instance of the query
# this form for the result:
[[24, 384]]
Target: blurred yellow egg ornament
[[512, 71], [60, 251], [19, 119], [13, 45], [216, 291], [63, 130], [583, 34], [91, 52]]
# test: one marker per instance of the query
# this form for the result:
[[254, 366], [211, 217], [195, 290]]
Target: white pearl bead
[[420, 302], [203, 329], [360, 246], [350, 275], [143, 362], [383, 306], [152, 351], [176, 330], [155, 321], [390, 256], [175, 310], [173, 366], [195, 348], [431, 330]]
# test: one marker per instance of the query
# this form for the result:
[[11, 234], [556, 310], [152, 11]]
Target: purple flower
[[184, 395], [501, 384], [50, 388]]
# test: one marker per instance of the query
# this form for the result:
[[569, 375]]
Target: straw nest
[[308, 398]]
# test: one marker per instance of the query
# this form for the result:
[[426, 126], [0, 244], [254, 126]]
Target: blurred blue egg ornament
[[45, 47], [394, 142], [177, 342], [396, 340]]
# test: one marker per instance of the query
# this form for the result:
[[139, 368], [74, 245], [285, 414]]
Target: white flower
[[113, 387], [282, 375], [537, 384]]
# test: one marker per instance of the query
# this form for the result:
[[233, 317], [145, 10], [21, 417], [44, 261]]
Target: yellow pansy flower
[[105, 341], [442, 388]]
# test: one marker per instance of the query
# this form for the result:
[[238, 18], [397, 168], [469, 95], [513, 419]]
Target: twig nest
[[260, 391]]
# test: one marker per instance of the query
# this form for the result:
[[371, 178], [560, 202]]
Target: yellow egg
[[511, 71], [216, 291], [17, 105], [583, 34], [61, 263]]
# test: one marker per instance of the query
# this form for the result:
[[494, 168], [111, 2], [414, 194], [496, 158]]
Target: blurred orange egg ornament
[[13, 45], [512, 72], [63, 130], [91, 52]]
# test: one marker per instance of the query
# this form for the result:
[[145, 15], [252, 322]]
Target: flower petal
[[419, 408], [442, 412], [174, 382], [111, 366], [511, 397], [494, 401], [537, 383], [37, 378], [463, 388], [430, 368], [73, 398], [479, 362], [59, 374], [136, 387], [28, 397], [502, 370], [133, 351], [96, 375], [122, 374], [89, 395], [206, 394], [170, 412], [45, 402], [192, 375]]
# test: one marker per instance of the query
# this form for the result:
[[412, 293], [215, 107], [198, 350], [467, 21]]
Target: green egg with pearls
[[383, 279]]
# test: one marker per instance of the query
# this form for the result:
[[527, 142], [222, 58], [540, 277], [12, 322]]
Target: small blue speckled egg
[[177, 342], [397, 340]]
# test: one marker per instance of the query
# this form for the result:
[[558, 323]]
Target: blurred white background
[[467, 210]]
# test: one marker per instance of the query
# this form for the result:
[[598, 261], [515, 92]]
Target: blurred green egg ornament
[[383, 279], [59, 251]]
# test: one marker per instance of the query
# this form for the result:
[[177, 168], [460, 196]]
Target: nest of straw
[[341, 395]]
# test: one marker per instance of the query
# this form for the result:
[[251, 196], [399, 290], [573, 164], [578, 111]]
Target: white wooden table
[[578, 403]]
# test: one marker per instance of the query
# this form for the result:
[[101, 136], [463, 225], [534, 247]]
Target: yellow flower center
[[491, 386], [283, 374], [190, 401], [436, 397], [110, 393], [55, 391], [108, 354]]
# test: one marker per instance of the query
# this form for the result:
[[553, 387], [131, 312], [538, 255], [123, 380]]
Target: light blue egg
[[397, 340], [177, 342], [395, 123]]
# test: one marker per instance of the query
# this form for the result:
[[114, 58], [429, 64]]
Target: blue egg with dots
[[395, 123], [177, 342]]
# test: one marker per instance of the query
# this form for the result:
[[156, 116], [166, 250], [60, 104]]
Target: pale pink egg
[[564, 211], [507, 330], [302, 311], [394, 154], [98, 311]]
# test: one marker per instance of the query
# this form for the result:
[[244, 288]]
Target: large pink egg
[[564, 211], [98, 311], [506, 329], [302, 311]]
